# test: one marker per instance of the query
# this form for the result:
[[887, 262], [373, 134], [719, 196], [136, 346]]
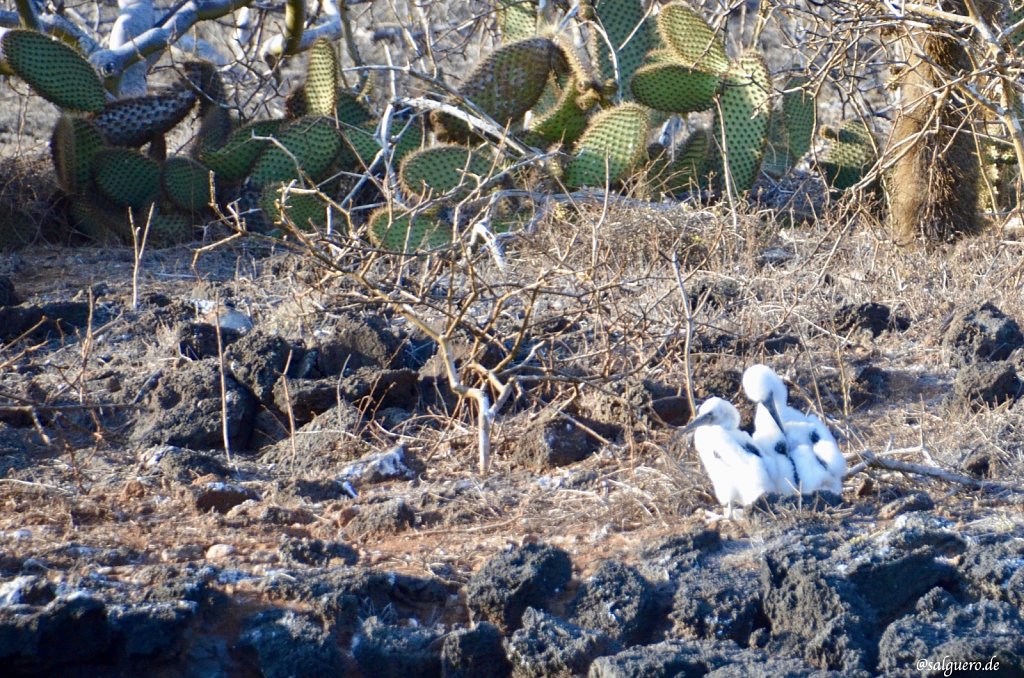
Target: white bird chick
[[802, 430], [763, 387], [738, 472]]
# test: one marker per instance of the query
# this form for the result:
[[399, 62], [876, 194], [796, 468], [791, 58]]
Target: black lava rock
[[389, 651], [618, 601], [981, 335], [474, 653], [529, 576], [548, 646]]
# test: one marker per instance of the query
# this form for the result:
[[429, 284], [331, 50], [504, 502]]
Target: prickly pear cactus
[[303, 211], [517, 20], [447, 169], [424, 230], [137, 121], [126, 177], [799, 112], [54, 70], [610, 148], [741, 127], [187, 184], [505, 85], [631, 35], [235, 159], [567, 118], [849, 155], [307, 146], [73, 146], [691, 40], [675, 88], [321, 89]]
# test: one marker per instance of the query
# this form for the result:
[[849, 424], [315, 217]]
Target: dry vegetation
[[569, 318]]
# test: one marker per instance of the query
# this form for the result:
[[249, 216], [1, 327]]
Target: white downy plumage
[[814, 461], [737, 470]]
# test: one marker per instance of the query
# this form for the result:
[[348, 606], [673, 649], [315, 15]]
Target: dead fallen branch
[[870, 459]]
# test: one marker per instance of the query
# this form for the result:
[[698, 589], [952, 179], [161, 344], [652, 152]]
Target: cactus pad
[[517, 20], [849, 155], [298, 210], [186, 183], [691, 40], [235, 159], [55, 71], [441, 169], [166, 228], [741, 129], [321, 89], [307, 144], [425, 230], [505, 85], [612, 145], [683, 170], [74, 143], [628, 29], [134, 122], [126, 177], [799, 113], [351, 110], [674, 88], [565, 121]]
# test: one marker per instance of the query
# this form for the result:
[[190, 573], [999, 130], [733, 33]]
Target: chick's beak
[[769, 404], [702, 420]]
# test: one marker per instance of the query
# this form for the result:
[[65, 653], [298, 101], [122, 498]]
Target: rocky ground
[[239, 461], [344, 528]]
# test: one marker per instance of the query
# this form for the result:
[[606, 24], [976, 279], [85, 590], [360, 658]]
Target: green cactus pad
[[236, 158], [311, 144], [630, 32], [849, 155], [517, 20], [505, 85], [683, 171], [799, 113], [565, 121], [73, 145], [790, 130], [360, 147], [134, 122], [674, 88], [166, 228], [100, 223], [186, 183], [610, 148], [126, 177], [742, 128], [303, 211], [1014, 15], [691, 40], [322, 79], [425, 230], [55, 71], [441, 169], [351, 110]]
